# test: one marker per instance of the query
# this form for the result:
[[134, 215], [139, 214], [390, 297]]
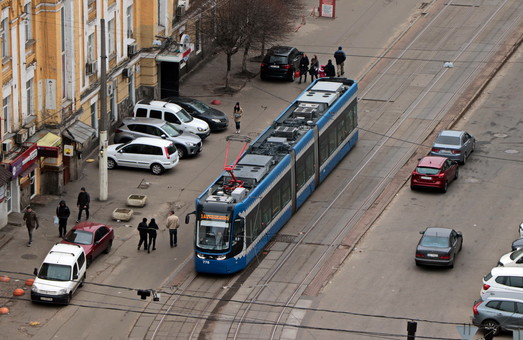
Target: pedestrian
[[142, 229], [173, 222], [237, 113], [315, 67], [329, 69], [83, 204], [340, 57], [31, 222], [151, 230], [62, 212], [304, 67]]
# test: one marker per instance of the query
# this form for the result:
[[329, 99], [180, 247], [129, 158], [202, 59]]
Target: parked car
[[503, 279], [216, 119], [438, 247], [155, 154], [95, 238], [186, 143], [434, 172], [498, 312], [512, 259], [173, 114], [280, 62], [517, 244], [61, 273], [456, 145]]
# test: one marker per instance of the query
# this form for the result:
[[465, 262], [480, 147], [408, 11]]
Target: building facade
[[51, 77]]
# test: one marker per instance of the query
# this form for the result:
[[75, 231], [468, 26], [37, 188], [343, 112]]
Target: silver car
[[456, 145], [498, 312], [186, 143]]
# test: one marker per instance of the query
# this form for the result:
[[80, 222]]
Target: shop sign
[[68, 150], [24, 161], [185, 47]]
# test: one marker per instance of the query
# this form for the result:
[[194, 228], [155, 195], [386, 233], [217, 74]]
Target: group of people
[[313, 67], [149, 232]]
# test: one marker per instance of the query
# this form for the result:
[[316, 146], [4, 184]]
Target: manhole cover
[[500, 135], [29, 256], [511, 151]]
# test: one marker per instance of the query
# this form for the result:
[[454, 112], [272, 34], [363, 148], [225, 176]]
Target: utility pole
[[104, 184]]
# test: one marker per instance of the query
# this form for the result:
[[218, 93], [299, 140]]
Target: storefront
[[5, 195], [51, 165]]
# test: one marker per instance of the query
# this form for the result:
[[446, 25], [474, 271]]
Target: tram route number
[[214, 217], [206, 262]]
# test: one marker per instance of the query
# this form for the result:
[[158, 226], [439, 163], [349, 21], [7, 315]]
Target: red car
[[95, 238], [434, 172]]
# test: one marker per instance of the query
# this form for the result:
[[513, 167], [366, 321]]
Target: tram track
[[215, 309]]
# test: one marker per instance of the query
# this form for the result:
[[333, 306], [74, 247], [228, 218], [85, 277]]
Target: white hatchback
[[145, 153]]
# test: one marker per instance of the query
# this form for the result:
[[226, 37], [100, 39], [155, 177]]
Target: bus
[[240, 212]]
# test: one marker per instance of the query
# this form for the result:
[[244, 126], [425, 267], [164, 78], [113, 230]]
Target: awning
[[79, 132], [48, 145], [5, 176]]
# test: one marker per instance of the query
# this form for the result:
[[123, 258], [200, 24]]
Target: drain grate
[[285, 238]]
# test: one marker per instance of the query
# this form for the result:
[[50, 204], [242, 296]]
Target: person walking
[[142, 229], [237, 113], [151, 230], [329, 69], [304, 67], [173, 222], [340, 57], [315, 68], [83, 204], [62, 212], [31, 222]]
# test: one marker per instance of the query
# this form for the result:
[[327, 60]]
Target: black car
[[438, 247], [280, 62], [216, 119]]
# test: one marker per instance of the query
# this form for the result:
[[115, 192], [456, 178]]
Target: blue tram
[[275, 176]]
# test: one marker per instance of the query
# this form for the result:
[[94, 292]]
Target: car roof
[[432, 161], [63, 253], [158, 104], [143, 120], [451, 133], [503, 295], [89, 226], [151, 141], [437, 231], [280, 50], [497, 271]]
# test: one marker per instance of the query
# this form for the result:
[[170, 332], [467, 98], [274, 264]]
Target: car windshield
[[276, 59], [449, 140], [79, 237], [516, 254], [199, 106], [184, 116], [55, 272], [212, 235], [171, 130], [434, 241], [423, 170]]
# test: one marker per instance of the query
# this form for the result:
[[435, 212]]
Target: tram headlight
[[221, 257], [200, 256]]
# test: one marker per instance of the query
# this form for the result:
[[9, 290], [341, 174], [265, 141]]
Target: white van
[[174, 114], [503, 279], [61, 273]]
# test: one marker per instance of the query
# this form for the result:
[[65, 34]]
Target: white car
[[503, 279], [512, 259], [145, 153]]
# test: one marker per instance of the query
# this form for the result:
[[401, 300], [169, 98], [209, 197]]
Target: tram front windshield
[[212, 235]]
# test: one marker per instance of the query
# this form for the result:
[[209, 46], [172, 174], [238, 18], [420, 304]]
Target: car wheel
[[69, 297], [490, 326], [82, 282], [456, 175], [111, 164], [182, 153], [464, 160], [108, 249], [445, 186], [451, 264], [292, 76], [156, 169]]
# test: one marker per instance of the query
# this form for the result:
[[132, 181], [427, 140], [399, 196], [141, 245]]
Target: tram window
[[309, 164], [340, 133], [266, 211], [300, 173], [276, 201], [324, 149], [285, 190]]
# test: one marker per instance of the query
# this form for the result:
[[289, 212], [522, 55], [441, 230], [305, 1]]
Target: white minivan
[[172, 113], [61, 273]]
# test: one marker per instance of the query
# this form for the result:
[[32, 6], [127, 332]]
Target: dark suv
[[280, 62], [216, 119]]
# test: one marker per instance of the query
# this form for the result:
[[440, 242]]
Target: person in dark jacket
[[83, 204], [31, 222], [142, 229], [151, 230], [315, 68], [62, 212], [329, 69], [304, 67], [340, 57]]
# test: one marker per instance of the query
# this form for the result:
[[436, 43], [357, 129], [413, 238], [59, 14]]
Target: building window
[[29, 99], [94, 118], [5, 38], [90, 48], [7, 117], [110, 37], [64, 61], [161, 14], [130, 22], [28, 24], [197, 36]]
